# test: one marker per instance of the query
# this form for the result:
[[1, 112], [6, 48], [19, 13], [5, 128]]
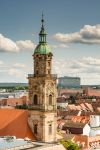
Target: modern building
[[71, 82], [42, 92]]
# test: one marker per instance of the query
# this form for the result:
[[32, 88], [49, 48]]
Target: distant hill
[[11, 85]]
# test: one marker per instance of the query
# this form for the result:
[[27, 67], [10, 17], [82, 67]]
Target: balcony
[[54, 76], [43, 108]]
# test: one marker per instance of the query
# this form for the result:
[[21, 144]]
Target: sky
[[73, 33]]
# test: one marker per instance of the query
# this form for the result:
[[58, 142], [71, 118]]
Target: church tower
[[42, 92]]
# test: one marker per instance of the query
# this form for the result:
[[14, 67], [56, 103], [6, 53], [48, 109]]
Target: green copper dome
[[42, 47]]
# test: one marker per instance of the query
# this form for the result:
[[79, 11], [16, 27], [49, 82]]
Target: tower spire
[[42, 34], [42, 20]]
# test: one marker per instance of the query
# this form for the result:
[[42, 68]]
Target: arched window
[[50, 129], [50, 99], [35, 100], [35, 128]]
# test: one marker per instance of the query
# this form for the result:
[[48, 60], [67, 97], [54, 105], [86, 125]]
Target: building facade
[[65, 82], [42, 92]]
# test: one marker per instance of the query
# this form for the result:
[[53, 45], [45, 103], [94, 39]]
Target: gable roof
[[14, 122]]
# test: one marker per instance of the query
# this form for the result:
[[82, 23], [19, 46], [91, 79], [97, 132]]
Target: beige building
[[42, 92]]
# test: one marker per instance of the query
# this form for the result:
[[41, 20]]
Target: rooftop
[[15, 123], [11, 143]]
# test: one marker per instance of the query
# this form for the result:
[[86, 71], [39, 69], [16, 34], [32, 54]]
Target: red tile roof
[[15, 123], [81, 119]]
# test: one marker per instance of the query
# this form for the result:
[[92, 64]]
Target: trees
[[19, 87], [24, 106], [73, 99], [69, 145]]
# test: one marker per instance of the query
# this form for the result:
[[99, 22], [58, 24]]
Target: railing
[[42, 75], [42, 107]]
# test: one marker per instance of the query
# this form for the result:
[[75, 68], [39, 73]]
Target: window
[[35, 87], [35, 100], [37, 63], [35, 129], [48, 71], [37, 72], [50, 99], [50, 129], [49, 64]]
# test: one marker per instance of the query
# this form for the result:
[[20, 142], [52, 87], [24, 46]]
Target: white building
[[94, 125], [62, 104]]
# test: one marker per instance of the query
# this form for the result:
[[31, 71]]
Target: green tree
[[69, 145], [72, 99], [19, 88]]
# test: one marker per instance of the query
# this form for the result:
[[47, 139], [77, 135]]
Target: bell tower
[[42, 92], [42, 55]]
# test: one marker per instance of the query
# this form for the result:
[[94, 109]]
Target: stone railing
[[42, 75], [42, 107]]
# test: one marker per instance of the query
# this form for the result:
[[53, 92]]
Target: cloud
[[7, 45], [59, 46], [19, 65], [88, 68], [1, 62], [27, 44], [87, 35], [15, 72], [91, 61], [3, 67]]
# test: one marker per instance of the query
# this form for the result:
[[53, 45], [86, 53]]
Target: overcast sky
[[73, 28]]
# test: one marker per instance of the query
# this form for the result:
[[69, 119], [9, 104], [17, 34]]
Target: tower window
[[48, 71], [48, 63], [35, 128], [35, 87], [35, 100], [50, 129], [37, 63], [37, 72], [50, 99]]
